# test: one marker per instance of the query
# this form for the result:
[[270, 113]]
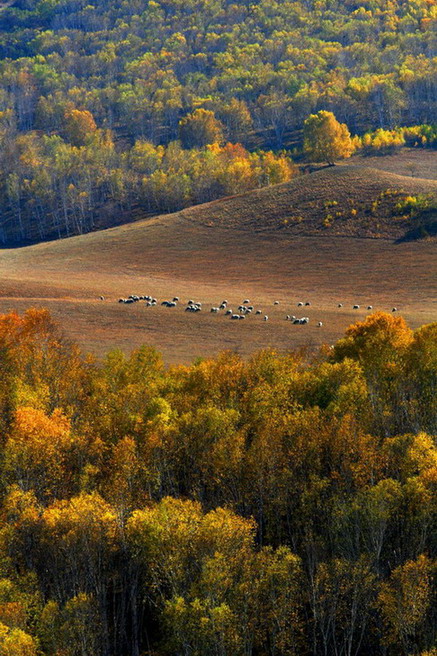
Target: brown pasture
[[409, 162], [177, 255]]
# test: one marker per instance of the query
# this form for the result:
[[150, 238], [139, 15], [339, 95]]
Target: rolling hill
[[348, 201], [235, 248]]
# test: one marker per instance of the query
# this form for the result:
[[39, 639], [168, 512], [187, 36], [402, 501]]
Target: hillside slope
[[181, 255], [348, 201]]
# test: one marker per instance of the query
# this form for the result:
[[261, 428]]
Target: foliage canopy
[[280, 505]]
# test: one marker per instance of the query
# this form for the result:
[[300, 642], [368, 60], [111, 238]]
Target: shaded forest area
[[82, 84], [280, 506]]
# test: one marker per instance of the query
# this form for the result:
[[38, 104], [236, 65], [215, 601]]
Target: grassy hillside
[[231, 250], [352, 201], [411, 162]]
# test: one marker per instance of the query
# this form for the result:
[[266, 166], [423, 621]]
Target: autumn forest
[[259, 501], [114, 109], [281, 506]]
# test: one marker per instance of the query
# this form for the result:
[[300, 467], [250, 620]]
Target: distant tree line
[[280, 506], [261, 66], [58, 186], [80, 178]]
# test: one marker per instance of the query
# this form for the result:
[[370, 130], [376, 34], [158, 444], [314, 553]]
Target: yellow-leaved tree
[[15, 642], [405, 601], [325, 139]]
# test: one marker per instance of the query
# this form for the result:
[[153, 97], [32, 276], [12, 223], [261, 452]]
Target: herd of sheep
[[244, 309]]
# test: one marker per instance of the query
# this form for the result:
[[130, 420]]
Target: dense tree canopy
[[284, 505], [141, 68]]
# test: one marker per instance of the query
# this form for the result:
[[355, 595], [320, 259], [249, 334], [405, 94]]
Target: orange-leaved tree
[[79, 126]]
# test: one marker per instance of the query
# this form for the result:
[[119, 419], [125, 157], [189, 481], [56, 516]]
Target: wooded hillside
[[87, 93]]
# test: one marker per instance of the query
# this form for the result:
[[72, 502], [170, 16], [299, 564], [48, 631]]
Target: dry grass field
[[410, 162], [348, 201], [232, 249]]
